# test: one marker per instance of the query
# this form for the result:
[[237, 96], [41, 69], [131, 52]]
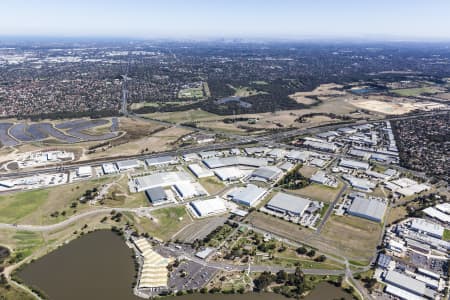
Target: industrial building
[[156, 195], [437, 214], [248, 196], [296, 155], [266, 174], [109, 168], [406, 286], [353, 164], [209, 207], [289, 204], [199, 171], [320, 144], [229, 173], [84, 171], [368, 208], [129, 164], [187, 190], [220, 162], [286, 166], [427, 227], [163, 179], [359, 183], [161, 161], [321, 177]]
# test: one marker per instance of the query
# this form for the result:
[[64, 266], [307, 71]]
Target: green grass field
[[26, 243], [14, 207], [196, 93], [446, 236], [211, 184], [167, 222], [414, 91]]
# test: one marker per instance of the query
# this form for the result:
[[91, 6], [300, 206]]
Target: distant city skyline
[[199, 19]]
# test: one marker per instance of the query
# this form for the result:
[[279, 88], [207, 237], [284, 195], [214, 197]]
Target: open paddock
[[319, 192]]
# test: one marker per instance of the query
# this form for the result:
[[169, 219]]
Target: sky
[[278, 19]]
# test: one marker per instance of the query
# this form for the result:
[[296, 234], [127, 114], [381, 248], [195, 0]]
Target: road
[[268, 139], [332, 205], [75, 218]]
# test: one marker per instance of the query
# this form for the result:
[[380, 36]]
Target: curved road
[[72, 219]]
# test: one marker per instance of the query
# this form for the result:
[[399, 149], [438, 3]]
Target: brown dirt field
[[319, 192], [353, 237], [159, 141], [308, 171], [395, 214], [391, 105], [324, 90], [278, 226]]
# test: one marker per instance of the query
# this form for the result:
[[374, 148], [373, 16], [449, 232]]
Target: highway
[[268, 139]]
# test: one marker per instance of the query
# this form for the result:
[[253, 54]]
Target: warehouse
[[220, 162], [353, 164], [367, 208], [84, 171], [109, 168], [437, 214], [321, 177], [286, 166], [199, 171], [408, 284], [125, 165], [156, 195], [359, 183], [265, 174], [320, 144], [209, 207], [289, 204], [163, 179], [161, 161], [427, 227], [229, 173], [187, 190], [295, 155], [248, 196]]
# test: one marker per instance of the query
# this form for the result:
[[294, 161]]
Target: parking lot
[[190, 275]]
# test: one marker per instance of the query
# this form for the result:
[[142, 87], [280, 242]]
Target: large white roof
[[365, 207], [209, 207], [160, 179], [289, 203], [427, 226]]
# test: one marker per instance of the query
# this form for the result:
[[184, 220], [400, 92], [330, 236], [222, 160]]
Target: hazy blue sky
[[227, 18]]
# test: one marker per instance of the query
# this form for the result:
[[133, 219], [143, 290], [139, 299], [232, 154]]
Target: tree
[[302, 250], [282, 277], [311, 253], [263, 281]]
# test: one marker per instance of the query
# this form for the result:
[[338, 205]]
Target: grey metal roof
[[289, 203], [383, 260], [406, 282], [267, 173], [130, 163], [248, 195], [367, 208], [156, 194], [216, 162]]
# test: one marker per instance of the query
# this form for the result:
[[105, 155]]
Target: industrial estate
[[224, 168]]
